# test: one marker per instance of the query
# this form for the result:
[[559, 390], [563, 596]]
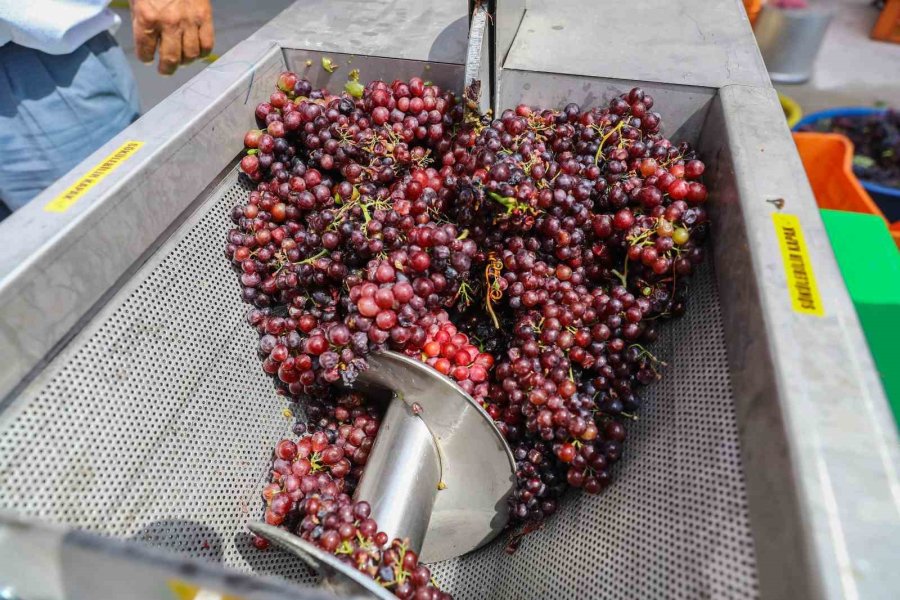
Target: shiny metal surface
[[44, 562], [684, 42], [764, 464], [507, 18], [337, 577], [814, 536], [402, 476], [789, 40], [157, 414], [674, 523], [822, 466], [504, 18], [683, 108], [59, 266], [478, 470], [407, 29], [478, 58], [308, 64]]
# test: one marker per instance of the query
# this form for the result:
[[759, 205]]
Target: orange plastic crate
[[828, 161], [887, 27], [752, 7]]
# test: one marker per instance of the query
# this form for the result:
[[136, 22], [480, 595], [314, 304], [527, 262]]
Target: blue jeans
[[55, 110]]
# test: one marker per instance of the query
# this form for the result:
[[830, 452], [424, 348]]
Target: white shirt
[[54, 26]]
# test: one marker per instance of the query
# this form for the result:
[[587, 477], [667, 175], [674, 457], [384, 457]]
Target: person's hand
[[182, 29]]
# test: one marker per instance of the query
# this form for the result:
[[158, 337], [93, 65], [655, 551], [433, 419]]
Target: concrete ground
[[234, 21], [851, 69]]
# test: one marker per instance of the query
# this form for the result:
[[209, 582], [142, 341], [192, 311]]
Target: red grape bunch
[[451, 353], [309, 493], [529, 258]]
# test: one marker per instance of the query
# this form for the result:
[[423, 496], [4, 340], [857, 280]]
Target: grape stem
[[603, 141], [653, 360], [309, 260], [400, 573], [315, 463], [505, 201], [344, 548], [492, 284], [365, 544], [623, 276], [463, 294]]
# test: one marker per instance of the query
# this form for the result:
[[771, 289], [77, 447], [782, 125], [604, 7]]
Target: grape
[[313, 499], [529, 258], [876, 143]]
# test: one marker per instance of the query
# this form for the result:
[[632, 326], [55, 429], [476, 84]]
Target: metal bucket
[[789, 41]]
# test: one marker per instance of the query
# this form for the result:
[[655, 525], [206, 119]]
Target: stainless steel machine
[[132, 405]]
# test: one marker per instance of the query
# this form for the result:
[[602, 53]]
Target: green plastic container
[[870, 264]]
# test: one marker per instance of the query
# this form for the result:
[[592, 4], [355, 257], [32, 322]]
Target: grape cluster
[[876, 144], [342, 247], [591, 221], [451, 353], [310, 492], [529, 258]]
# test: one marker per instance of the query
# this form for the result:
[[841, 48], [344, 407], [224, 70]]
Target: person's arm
[[182, 31]]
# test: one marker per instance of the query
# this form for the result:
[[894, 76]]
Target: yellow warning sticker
[[187, 591], [64, 201], [801, 281]]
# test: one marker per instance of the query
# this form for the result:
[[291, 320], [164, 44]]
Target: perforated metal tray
[[132, 403], [156, 424]]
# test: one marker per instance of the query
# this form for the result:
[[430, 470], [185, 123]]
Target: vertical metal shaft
[[402, 475]]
